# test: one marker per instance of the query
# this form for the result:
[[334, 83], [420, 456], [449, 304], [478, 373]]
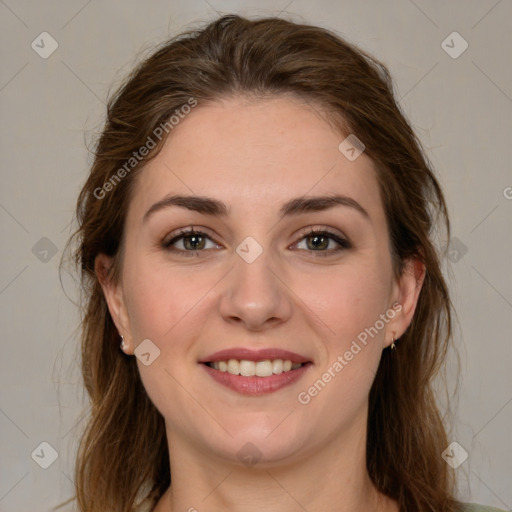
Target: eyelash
[[342, 242]]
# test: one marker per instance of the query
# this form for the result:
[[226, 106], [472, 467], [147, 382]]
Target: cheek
[[348, 299], [350, 304], [356, 348], [160, 298], [163, 305]]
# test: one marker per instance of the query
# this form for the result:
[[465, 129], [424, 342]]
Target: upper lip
[[254, 355]]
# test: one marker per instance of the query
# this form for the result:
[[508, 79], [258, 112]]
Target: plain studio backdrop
[[451, 66]]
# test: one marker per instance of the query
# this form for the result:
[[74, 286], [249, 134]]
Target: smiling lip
[[254, 355], [256, 385]]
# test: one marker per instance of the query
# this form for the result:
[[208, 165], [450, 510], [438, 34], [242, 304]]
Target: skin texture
[[254, 155]]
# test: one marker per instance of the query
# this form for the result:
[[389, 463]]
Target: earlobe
[[113, 294]]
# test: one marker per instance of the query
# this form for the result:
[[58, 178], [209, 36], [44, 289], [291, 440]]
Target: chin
[[253, 447]]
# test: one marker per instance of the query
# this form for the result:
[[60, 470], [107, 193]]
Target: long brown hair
[[123, 451]]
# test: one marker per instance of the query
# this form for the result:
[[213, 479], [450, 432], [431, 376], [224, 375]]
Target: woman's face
[[254, 278]]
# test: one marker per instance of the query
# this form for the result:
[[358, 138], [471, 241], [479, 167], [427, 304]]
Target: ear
[[404, 297], [113, 293]]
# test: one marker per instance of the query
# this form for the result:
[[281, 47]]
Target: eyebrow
[[214, 207]]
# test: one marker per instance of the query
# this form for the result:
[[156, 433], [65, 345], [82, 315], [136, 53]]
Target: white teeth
[[264, 368], [247, 368], [233, 367], [277, 366]]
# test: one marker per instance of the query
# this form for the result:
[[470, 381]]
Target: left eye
[[319, 241]]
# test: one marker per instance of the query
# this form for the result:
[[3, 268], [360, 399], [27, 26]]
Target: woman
[[256, 232]]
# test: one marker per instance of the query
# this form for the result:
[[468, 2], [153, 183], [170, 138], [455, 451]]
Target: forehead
[[256, 153]]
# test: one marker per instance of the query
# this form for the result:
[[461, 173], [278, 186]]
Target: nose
[[255, 295]]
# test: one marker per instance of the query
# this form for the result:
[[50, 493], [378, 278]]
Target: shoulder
[[473, 507]]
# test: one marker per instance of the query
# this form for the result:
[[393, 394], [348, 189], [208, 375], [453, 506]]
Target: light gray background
[[461, 109]]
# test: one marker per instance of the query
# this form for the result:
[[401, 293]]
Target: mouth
[[255, 372]]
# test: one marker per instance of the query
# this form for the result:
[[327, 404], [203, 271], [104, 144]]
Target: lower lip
[[256, 385]]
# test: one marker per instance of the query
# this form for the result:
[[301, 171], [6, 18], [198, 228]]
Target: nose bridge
[[254, 294]]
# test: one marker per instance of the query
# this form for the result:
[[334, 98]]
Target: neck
[[332, 476]]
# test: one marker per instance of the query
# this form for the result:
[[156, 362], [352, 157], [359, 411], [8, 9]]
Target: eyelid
[[323, 230]]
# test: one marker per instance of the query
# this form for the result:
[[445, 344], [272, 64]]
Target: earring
[[123, 344], [393, 346]]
